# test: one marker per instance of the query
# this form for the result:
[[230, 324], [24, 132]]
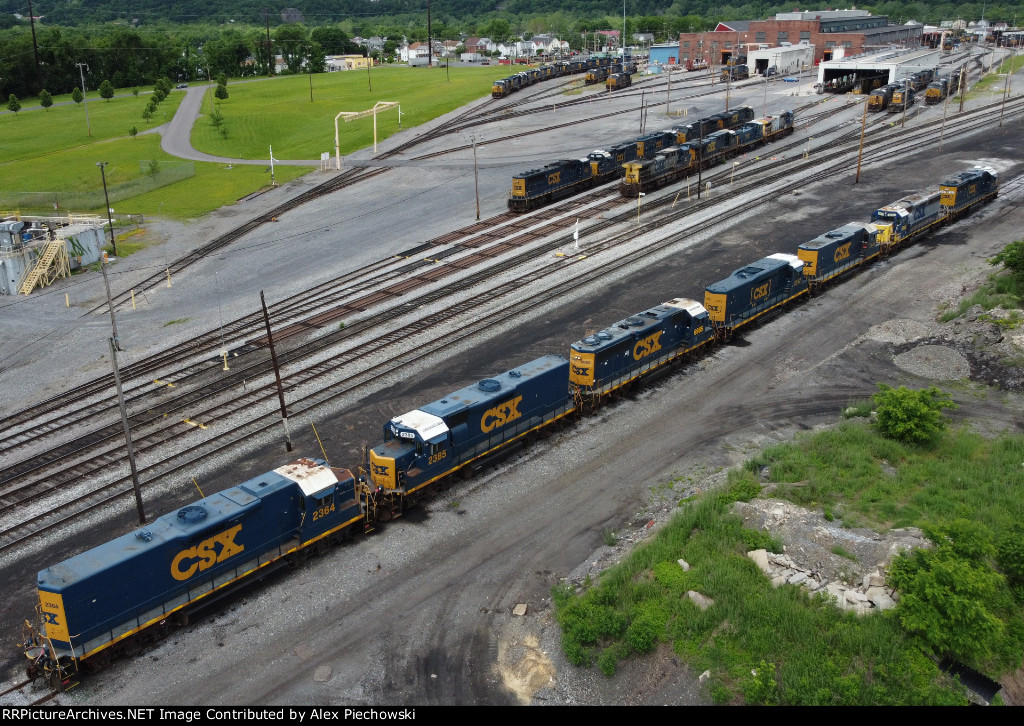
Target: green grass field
[[51, 151], [278, 111]]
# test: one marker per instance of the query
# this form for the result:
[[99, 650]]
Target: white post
[[272, 182], [337, 152]]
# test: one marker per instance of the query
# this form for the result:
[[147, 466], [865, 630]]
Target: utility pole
[[127, 433], [860, 152], [270, 57], [277, 375], [668, 93], [102, 165], [110, 302], [1006, 91], [476, 182], [906, 101], [963, 85], [35, 48], [85, 100], [700, 156], [430, 40]]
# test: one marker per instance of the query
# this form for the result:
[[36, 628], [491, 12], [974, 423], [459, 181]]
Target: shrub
[[45, 99], [910, 416], [106, 90]]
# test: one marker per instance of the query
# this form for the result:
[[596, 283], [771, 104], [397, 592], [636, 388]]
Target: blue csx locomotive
[[132, 590], [537, 187]]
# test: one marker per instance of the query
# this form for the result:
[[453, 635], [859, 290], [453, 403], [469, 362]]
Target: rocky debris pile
[[982, 345], [863, 597], [823, 556]]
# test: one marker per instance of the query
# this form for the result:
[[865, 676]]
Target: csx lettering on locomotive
[[501, 414], [842, 252], [761, 291], [648, 345], [204, 555], [555, 178]]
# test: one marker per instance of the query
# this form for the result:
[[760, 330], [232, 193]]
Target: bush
[[945, 592], [76, 95], [908, 416], [1012, 258], [45, 99], [106, 90]]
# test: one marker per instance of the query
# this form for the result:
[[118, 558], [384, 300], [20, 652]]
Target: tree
[[1012, 258], [76, 95], [13, 104], [133, 132], [222, 80], [135, 91], [221, 93], [106, 90], [45, 99], [944, 591], [912, 417]]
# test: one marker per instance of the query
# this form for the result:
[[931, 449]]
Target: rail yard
[[386, 293]]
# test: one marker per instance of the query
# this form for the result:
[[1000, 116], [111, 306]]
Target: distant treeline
[[134, 43]]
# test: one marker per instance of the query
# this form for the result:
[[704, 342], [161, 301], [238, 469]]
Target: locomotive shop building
[[854, 31]]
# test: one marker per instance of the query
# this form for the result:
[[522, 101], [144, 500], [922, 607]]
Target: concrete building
[[852, 31], [781, 60]]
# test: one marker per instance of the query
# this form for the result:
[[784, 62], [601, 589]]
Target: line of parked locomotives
[[895, 97], [614, 73], [121, 595], [650, 161]]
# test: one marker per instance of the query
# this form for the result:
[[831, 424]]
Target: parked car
[[182, 85], [770, 71]]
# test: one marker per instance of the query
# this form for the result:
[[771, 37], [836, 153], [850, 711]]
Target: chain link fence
[[155, 174]]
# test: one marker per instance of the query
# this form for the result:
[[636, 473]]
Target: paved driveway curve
[[176, 136]]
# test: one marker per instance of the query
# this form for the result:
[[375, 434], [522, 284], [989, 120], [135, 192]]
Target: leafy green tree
[[106, 90], [1012, 258], [216, 117], [291, 37], [221, 93], [222, 80], [135, 91], [76, 95], [1010, 554], [910, 416], [45, 99], [944, 591], [13, 104], [133, 132], [147, 113]]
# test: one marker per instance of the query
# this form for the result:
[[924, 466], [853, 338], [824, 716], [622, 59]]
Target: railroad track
[[330, 391], [21, 428]]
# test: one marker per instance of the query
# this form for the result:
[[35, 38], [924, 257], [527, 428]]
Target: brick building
[[855, 31]]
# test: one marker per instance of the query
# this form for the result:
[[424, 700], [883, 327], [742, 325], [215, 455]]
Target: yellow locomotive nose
[[382, 470]]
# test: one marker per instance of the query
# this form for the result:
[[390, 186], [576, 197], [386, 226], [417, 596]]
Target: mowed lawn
[[278, 112], [52, 151]]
